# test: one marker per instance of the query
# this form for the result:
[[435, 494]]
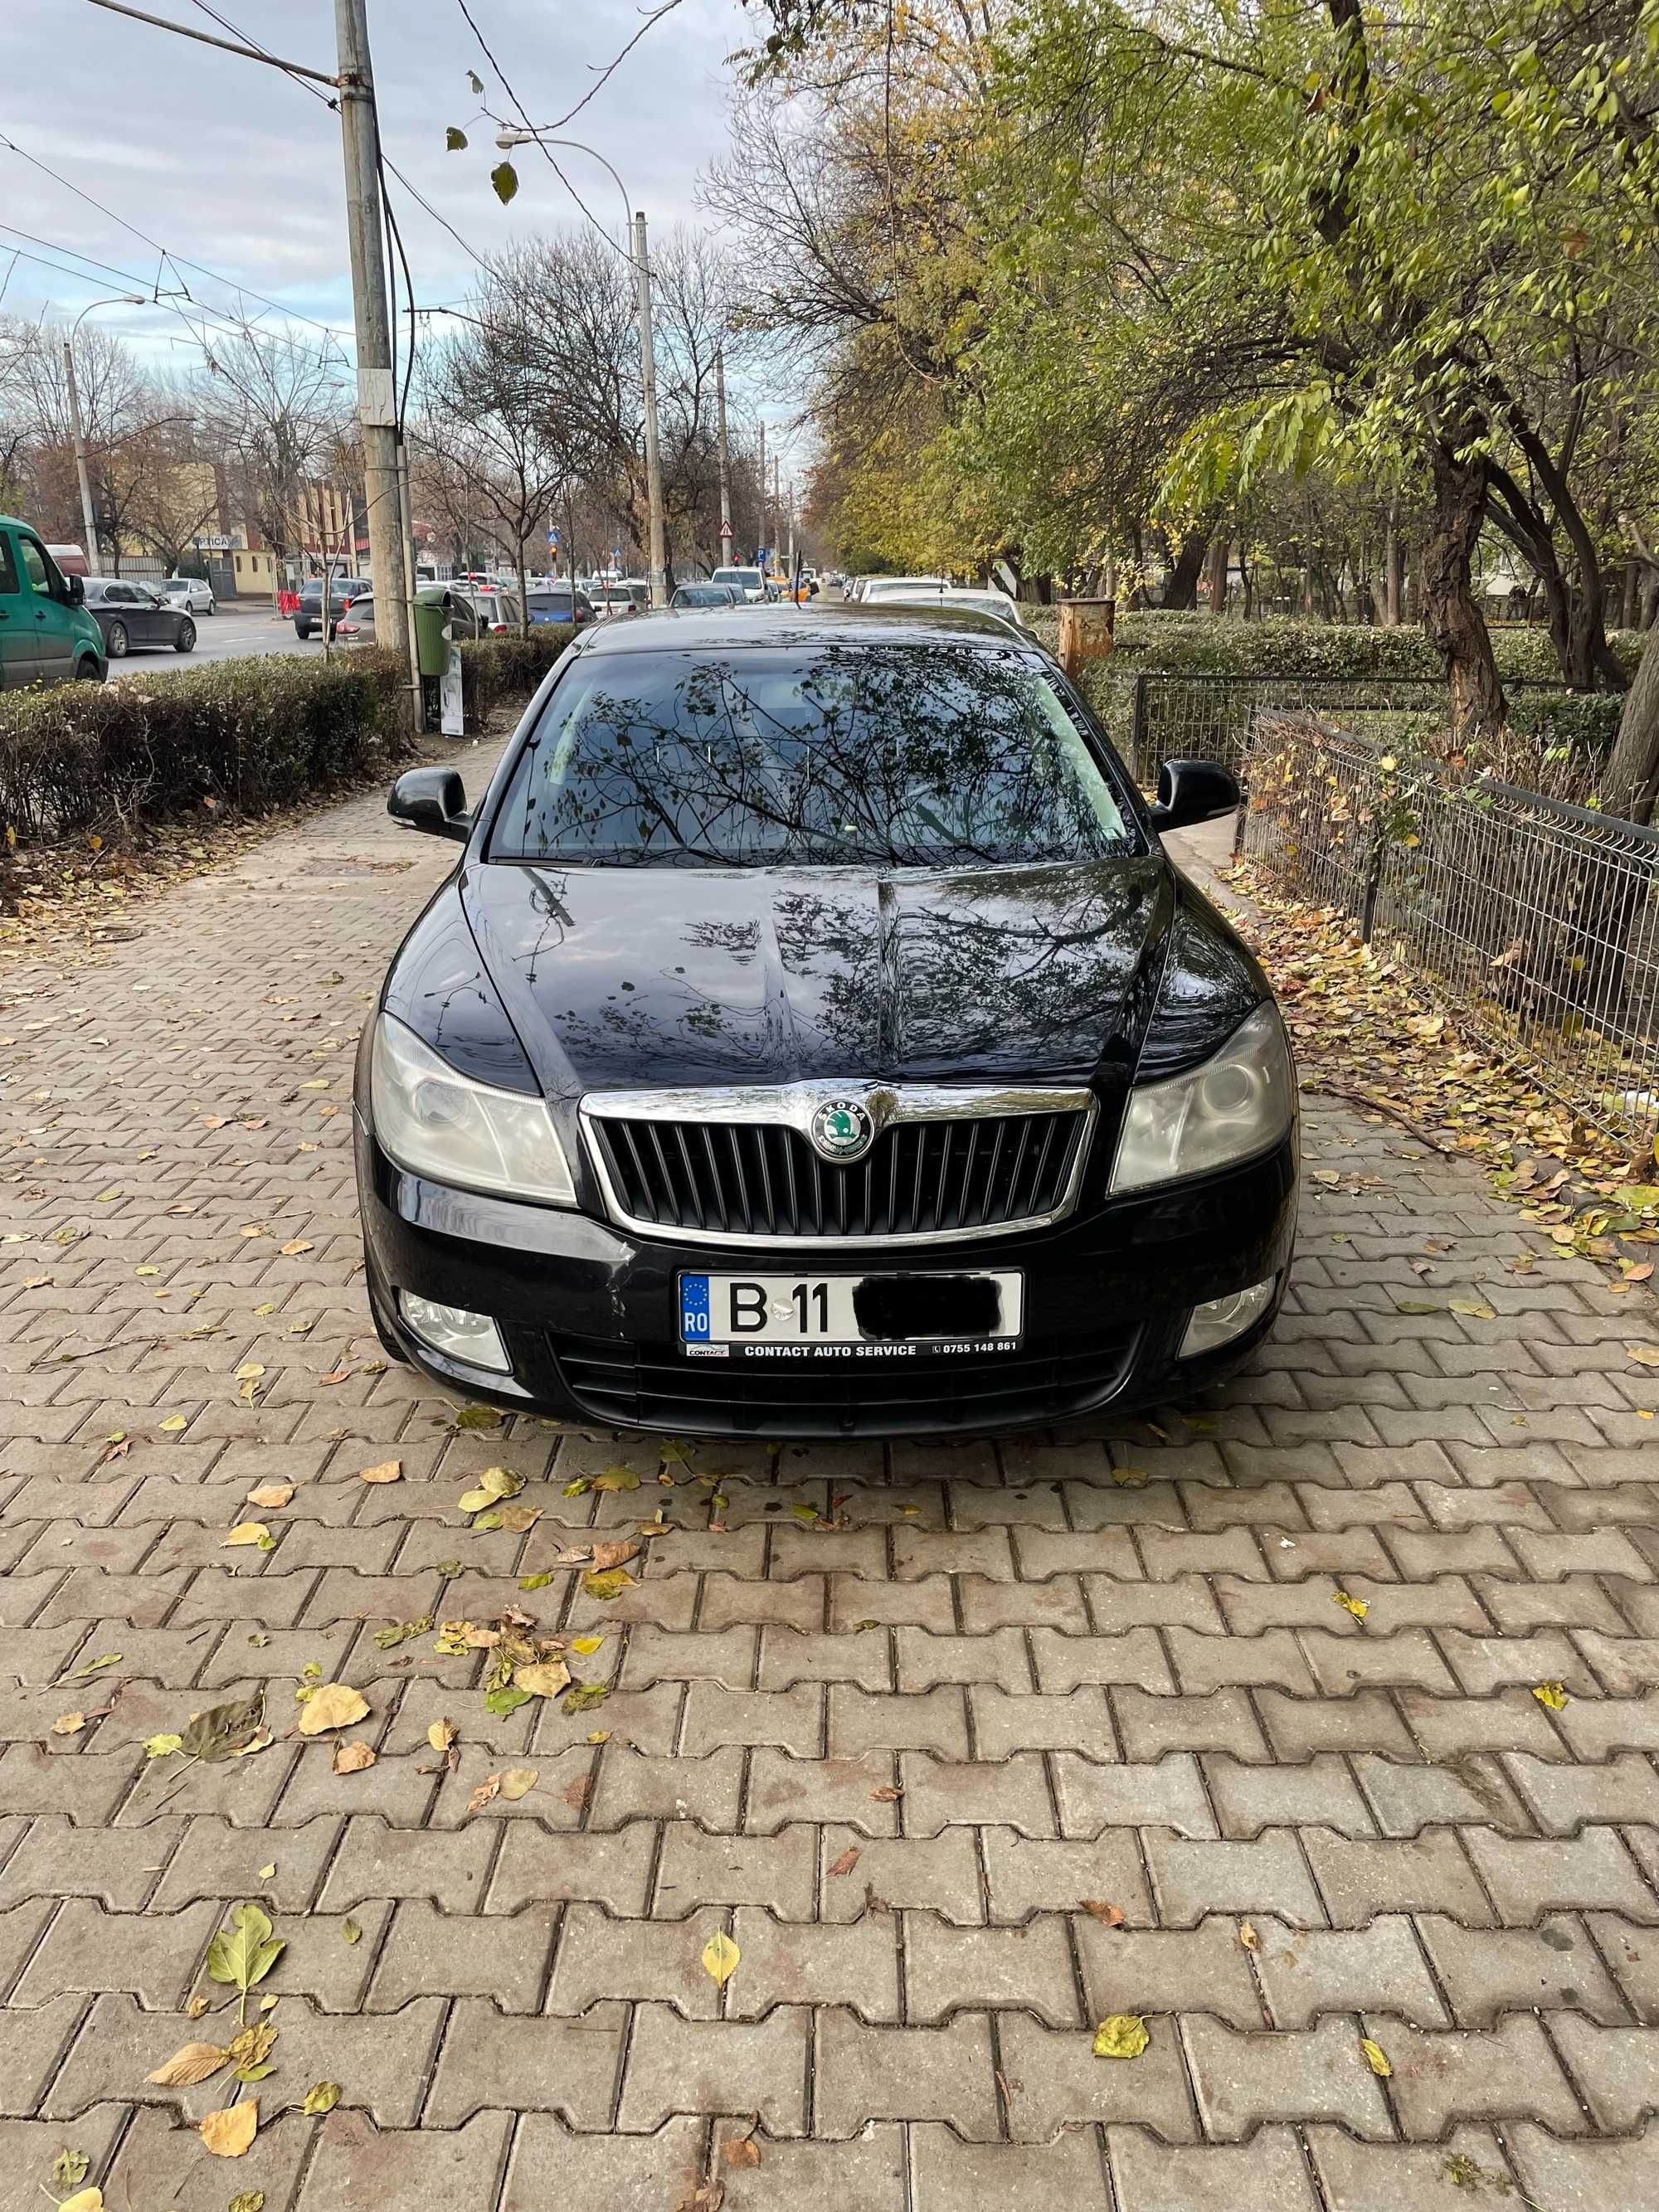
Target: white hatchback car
[[190, 592]]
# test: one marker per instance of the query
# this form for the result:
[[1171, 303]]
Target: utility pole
[[376, 394], [725, 460], [92, 561], [763, 539], [653, 452]]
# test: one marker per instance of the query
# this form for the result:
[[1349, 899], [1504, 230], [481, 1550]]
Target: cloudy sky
[[235, 166]]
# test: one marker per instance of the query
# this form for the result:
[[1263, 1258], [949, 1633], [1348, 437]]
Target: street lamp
[[115, 300], [634, 231]]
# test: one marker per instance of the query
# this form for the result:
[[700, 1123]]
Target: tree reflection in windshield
[[903, 756]]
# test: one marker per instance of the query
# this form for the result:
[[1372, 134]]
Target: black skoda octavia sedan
[[813, 1040]]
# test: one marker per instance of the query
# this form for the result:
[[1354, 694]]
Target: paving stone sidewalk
[[888, 1728]]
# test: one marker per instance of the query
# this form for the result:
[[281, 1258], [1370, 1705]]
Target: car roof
[[680, 629]]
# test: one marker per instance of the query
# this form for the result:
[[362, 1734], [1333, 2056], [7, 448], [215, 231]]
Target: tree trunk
[[1631, 785], [1451, 614], [1391, 578], [1181, 589], [1215, 573], [524, 583]]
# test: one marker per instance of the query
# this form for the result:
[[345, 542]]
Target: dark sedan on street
[[814, 1039], [135, 619]]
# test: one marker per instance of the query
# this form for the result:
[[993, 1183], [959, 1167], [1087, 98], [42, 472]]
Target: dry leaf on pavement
[[1248, 1937], [229, 2133], [247, 1532], [272, 1495], [1376, 2058], [544, 1678], [609, 1583], [1359, 1607], [389, 1470], [743, 2150], [192, 2063], [1552, 1694], [336, 1704], [518, 1782], [848, 1861], [617, 1554], [321, 2097], [487, 1788], [84, 2200], [1121, 2036], [353, 1758], [441, 1734], [1109, 1916], [68, 1723], [720, 1957]]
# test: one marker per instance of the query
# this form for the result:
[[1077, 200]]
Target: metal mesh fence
[[1539, 918], [1152, 716]]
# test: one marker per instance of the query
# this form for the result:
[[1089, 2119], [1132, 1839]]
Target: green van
[[46, 635]]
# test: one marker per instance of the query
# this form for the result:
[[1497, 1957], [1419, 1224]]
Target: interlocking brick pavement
[[889, 1743]]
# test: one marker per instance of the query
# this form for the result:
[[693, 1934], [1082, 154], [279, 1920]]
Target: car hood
[[622, 978]]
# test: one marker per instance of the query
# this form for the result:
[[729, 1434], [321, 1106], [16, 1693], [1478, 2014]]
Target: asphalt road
[[230, 635]]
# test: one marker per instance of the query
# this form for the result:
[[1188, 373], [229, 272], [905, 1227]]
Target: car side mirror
[[75, 591], [1191, 791], [433, 800]]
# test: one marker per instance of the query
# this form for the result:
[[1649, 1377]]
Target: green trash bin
[[431, 619]]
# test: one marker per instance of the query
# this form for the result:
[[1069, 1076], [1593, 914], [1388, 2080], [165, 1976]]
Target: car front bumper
[[588, 1312]]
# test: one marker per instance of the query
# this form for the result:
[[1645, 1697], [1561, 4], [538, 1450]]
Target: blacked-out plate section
[[900, 1307]]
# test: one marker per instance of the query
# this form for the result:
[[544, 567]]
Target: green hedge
[[494, 669], [1281, 644], [251, 735]]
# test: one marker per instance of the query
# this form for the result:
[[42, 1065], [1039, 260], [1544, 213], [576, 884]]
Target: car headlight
[[1238, 1102], [436, 1121]]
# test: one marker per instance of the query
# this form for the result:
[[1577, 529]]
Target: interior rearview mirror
[[433, 800], [1191, 791]]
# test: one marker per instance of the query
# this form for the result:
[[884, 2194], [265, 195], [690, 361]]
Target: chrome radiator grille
[[947, 1174]]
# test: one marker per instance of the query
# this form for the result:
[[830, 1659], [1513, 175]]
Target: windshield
[[542, 603], [897, 755], [745, 579]]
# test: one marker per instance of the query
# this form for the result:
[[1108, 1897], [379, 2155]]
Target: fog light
[[458, 1334], [1218, 1320]]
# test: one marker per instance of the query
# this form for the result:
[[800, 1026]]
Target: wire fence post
[[1137, 724]]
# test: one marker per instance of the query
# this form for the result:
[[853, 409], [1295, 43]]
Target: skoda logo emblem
[[842, 1129]]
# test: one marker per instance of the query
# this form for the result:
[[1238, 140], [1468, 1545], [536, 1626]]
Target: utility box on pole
[[1085, 632], [377, 409]]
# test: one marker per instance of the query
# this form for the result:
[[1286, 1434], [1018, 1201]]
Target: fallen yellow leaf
[[720, 1957], [518, 1782], [247, 1532], [544, 1679], [1552, 1694], [192, 2063], [271, 1494], [353, 1758], [1357, 1606], [1376, 2058], [229, 2133], [1121, 2036], [389, 1470], [68, 1723], [84, 2200], [335, 1704]]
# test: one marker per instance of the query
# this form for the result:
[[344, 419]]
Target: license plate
[[892, 1316]]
